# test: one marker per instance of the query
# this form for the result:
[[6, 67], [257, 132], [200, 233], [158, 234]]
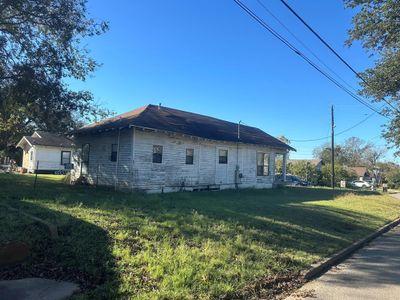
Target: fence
[[48, 167]]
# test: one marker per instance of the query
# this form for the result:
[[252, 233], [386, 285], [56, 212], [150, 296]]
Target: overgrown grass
[[180, 245]]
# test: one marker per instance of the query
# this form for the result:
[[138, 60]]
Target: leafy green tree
[[324, 153], [376, 26], [341, 173], [390, 173], [387, 167], [352, 152], [304, 170], [393, 179], [40, 47]]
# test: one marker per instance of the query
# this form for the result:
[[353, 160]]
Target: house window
[[65, 157], [31, 155], [189, 156], [262, 164], [157, 154], [85, 153], [223, 156], [114, 152], [85, 159]]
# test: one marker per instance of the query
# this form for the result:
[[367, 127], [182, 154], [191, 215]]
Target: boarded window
[[223, 156], [189, 156], [114, 152], [157, 154], [65, 157], [262, 164]]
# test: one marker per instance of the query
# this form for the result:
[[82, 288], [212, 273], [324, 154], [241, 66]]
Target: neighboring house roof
[[314, 162], [43, 138], [360, 170], [178, 121]]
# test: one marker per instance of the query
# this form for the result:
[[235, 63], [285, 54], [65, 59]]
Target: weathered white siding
[[101, 170], [134, 167], [49, 158]]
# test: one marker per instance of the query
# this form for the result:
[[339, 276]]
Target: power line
[[298, 52], [331, 49], [303, 44], [339, 133]]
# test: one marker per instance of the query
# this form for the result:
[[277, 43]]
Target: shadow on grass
[[81, 254], [281, 220]]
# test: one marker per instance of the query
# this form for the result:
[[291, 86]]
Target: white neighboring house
[[161, 149], [46, 152]]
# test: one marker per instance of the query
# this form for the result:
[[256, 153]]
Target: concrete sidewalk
[[36, 289], [371, 273]]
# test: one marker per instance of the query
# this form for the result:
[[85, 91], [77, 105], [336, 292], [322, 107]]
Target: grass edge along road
[[181, 245]]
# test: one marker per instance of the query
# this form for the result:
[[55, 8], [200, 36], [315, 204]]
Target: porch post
[[284, 161]]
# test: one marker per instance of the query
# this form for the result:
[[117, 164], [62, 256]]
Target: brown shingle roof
[[360, 170], [174, 120], [49, 139]]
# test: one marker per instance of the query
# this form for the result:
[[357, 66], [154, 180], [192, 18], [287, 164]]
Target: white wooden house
[[156, 148], [46, 152]]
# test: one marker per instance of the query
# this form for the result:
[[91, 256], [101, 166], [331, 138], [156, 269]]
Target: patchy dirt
[[13, 253], [47, 268], [301, 294], [44, 262], [270, 287]]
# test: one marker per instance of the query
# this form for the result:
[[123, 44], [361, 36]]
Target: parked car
[[361, 184], [293, 180]]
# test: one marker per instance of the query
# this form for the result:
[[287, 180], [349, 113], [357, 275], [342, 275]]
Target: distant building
[[156, 148], [361, 172], [45, 152]]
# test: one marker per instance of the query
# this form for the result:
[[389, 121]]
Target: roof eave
[[21, 140]]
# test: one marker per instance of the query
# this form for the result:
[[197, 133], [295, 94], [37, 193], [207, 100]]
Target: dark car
[[293, 180]]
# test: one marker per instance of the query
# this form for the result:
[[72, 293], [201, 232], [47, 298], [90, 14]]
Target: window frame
[[155, 160], [114, 154], [225, 161], [189, 158], [85, 159], [62, 157], [265, 164]]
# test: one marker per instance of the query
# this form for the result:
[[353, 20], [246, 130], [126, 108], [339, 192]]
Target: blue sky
[[211, 58]]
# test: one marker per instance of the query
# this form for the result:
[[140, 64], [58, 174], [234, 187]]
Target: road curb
[[321, 267]]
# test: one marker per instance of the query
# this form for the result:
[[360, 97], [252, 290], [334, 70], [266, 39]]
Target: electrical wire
[[336, 134], [331, 49], [304, 45], [303, 56]]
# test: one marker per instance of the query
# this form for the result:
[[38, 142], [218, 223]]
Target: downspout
[[237, 157], [133, 156], [116, 165]]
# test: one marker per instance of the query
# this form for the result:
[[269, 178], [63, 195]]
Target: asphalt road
[[373, 272]]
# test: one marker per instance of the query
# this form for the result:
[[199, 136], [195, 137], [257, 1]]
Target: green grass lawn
[[181, 245]]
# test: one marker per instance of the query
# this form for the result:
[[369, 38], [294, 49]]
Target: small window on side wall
[[223, 156], [157, 154], [189, 156], [114, 152], [262, 164], [65, 157], [31, 155]]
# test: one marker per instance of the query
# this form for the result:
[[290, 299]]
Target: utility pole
[[333, 150]]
